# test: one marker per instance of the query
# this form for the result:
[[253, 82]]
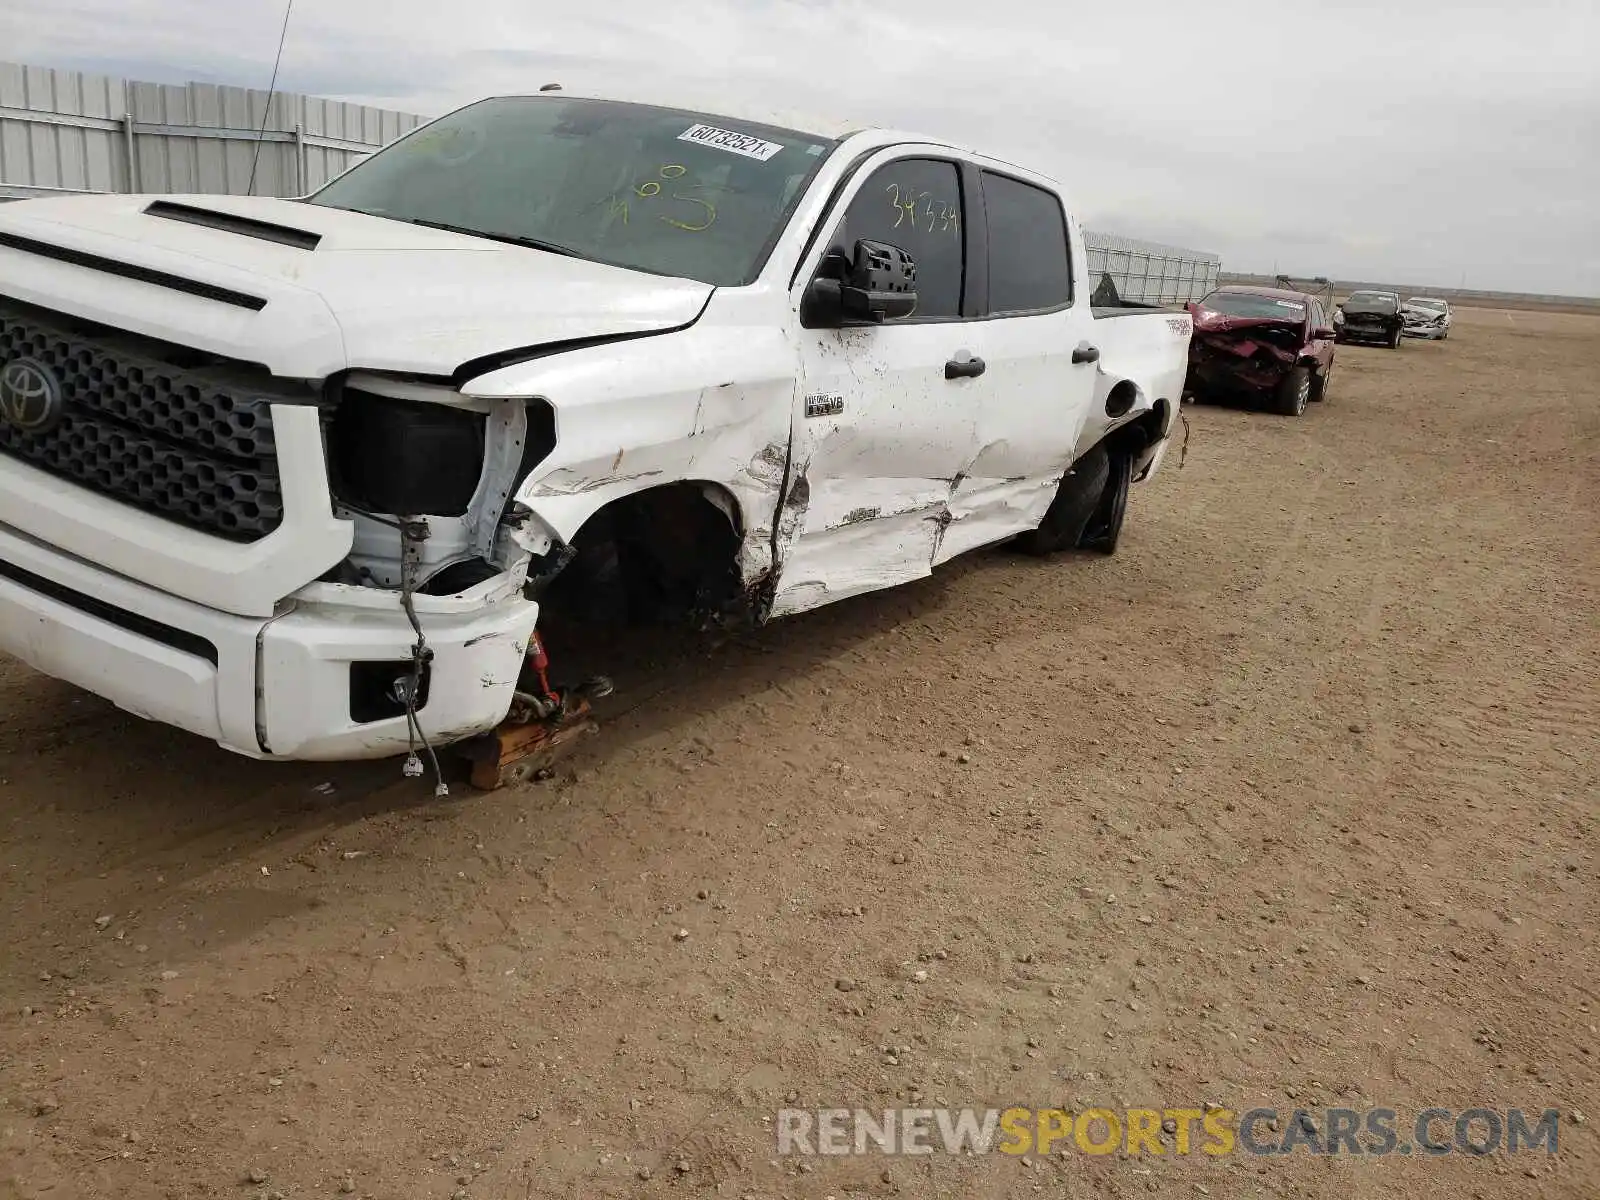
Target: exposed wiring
[[272, 89], [412, 534]]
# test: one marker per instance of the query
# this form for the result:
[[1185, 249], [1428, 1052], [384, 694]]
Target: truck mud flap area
[[543, 725]]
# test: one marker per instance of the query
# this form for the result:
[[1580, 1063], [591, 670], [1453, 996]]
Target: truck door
[[883, 427], [1040, 351]]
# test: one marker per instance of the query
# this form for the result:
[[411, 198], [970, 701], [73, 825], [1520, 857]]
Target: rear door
[[1034, 399], [883, 427]]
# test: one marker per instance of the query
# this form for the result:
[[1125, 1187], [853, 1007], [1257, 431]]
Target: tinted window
[[1028, 263], [656, 189], [915, 204]]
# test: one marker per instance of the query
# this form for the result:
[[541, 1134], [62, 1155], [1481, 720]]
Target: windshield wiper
[[514, 239]]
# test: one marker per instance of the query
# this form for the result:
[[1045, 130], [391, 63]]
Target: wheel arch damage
[[650, 445], [1141, 438], [1127, 419], [658, 552]]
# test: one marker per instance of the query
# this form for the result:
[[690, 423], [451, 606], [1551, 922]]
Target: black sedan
[[1371, 317]]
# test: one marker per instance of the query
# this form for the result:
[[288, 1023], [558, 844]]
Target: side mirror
[[1323, 334], [877, 283], [881, 284]]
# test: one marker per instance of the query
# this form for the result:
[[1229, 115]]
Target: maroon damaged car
[[1269, 344]]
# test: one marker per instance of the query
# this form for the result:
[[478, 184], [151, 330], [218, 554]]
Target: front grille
[[187, 444]]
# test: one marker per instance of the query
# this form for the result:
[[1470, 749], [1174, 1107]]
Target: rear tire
[[1105, 525], [1290, 398], [1078, 497]]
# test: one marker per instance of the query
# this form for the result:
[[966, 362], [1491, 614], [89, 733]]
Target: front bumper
[[1365, 333], [279, 688], [1220, 371], [1431, 332]]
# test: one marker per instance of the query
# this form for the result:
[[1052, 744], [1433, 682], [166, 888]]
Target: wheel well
[[660, 554], [1139, 434]]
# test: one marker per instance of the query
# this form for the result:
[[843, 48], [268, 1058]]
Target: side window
[[915, 204], [1029, 267]]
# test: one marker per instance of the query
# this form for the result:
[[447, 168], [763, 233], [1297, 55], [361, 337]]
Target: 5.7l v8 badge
[[824, 404]]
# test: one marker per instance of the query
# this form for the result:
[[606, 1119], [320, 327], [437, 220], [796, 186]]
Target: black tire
[[1319, 385], [1077, 497], [1105, 525], [1290, 398]]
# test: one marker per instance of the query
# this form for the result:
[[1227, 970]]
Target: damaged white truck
[[299, 475]]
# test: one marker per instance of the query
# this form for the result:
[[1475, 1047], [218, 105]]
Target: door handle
[[1086, 353], [969, 368]]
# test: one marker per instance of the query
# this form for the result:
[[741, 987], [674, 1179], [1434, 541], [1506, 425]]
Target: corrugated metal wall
[[1149, 272], [67, 131]]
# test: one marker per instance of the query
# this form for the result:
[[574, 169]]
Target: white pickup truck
[[298, 475]]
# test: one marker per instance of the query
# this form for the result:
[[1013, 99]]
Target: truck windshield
[[1243, 304], [653, 189]]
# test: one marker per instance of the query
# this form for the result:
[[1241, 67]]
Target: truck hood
[[331, 289], [1257, 339]]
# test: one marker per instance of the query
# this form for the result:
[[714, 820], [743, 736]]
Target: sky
[[1418, 143]]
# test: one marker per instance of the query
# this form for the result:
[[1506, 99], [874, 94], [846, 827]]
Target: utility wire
[[272, 88]]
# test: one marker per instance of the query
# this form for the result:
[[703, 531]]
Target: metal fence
[[1148, 272], [67, 131]]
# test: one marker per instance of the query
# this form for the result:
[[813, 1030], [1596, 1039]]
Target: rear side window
[[915, 204], [1029, 267]]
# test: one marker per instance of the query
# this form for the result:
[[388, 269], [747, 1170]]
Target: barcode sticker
[[727, 139]]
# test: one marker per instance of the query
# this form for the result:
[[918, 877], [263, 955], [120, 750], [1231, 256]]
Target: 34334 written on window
[[915, 204]]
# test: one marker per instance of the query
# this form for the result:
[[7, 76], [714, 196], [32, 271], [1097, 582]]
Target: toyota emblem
[[31, 400]]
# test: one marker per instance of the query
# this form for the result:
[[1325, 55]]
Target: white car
[[1426, 317], [298, 475]]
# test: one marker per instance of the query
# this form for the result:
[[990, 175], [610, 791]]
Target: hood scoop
[[207, 218], [111, 266]]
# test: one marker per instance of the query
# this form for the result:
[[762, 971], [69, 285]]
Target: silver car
[[1426, 317]]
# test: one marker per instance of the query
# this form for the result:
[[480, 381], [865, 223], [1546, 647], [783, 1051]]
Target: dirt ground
[[1290, 803]]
